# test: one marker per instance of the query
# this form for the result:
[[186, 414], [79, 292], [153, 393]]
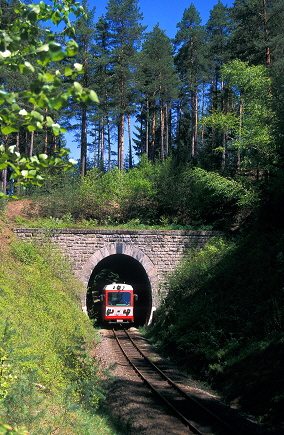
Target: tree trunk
[[194, 114], [84, 141], [129, 142], [224, 153], [120, 151], [32, 143], [167, 129], [266, 33], [162, 121], [109, 144], [153, 139], [4, 171], [147, 129], [4, 181], [45, 136], [54, 143], [240, 132], [102, 147]]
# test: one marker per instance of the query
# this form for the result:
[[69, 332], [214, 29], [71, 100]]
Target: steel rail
[[181, 391], [184, 420]]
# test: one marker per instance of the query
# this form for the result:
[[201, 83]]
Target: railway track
[[198, 417]]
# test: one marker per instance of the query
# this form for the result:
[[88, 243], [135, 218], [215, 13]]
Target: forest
[[182, 133], [204, 109], [212, 96]]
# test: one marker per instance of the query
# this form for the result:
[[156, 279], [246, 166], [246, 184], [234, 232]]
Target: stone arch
[[118, 248]]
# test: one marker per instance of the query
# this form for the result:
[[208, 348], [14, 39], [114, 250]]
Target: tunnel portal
[[145, 258], [130, 271]]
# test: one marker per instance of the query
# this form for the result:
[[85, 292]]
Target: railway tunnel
[[127, 270]]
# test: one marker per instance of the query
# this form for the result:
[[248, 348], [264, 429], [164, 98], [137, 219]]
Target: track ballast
[[198, 417]]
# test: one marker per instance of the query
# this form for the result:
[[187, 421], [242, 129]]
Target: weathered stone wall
[[159, 252]]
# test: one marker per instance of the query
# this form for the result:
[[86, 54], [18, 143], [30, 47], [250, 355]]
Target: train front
[[118, 303]]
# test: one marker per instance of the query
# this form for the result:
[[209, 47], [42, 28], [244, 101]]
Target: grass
[[49, 381], [134, 224], [222, 322]]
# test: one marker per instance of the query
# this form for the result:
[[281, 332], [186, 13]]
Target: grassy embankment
[[223, 320], [49, 382]]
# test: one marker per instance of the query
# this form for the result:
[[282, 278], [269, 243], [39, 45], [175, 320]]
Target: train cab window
[[119, 298]]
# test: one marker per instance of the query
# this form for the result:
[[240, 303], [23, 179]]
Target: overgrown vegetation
[[49, 379], [223, 320], [166, 195]]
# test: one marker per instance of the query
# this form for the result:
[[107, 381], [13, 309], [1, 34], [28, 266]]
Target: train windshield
[[119, 298]]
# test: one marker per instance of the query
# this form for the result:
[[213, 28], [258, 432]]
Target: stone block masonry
[[159, 252]]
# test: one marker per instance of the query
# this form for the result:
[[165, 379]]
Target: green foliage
[[101, 198], [49, 89], [45, 323], [198, 197], [251, 88], [29, 171], [161, 195], [49, 381], [186, 280], [223, 321], [216, 188], [7, 377], [25, 253], [6, 429]]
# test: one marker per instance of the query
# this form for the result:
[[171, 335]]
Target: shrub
[[49, 380], [222, 320]]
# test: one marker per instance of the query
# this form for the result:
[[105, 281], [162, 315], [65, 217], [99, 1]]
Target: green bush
[[49, 381], [155, 195], [223, 320], [198, 197]]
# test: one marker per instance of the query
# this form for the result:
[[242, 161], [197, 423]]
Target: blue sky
[[165, 13]]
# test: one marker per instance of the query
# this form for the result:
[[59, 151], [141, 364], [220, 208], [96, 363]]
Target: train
[[117, 302]]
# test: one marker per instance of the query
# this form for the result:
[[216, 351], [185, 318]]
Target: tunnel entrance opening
[[125, 269]]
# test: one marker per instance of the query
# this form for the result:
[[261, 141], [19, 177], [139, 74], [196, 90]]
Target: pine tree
[[190, 60], [84, 28], [258, 38], [158, 84], [258, 33], [123, 17], [103, 84], [218, 30]]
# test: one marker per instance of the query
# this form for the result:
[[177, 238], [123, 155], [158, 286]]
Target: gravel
[[133, 407]]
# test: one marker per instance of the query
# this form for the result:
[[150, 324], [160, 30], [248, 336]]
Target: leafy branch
[[29, 49]]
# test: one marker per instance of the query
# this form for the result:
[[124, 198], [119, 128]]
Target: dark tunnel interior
[[130, 271]]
